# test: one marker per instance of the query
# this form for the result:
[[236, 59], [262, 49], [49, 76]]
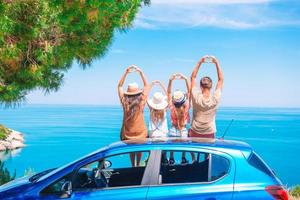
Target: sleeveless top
[[134, 127], [174, 119], [160, 129]]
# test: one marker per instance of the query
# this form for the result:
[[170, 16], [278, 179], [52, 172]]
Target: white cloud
[[139, 22], [236, 14]]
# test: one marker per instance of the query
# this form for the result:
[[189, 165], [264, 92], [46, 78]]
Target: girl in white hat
[[179, 104], [158, 104]]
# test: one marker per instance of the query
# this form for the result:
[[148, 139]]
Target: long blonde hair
[[157, 116]]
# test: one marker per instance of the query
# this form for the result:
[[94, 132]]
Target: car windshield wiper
[[35, 177]]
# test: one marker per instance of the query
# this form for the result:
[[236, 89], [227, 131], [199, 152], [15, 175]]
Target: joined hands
[[133, 68], [177, 76], [208, 59]]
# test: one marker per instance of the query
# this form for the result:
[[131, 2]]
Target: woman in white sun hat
[[158, 104], [133, 101], [179, 108]]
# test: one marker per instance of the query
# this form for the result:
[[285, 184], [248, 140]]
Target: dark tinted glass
[[220, 167], [112, 171], [193, 170], [56, 188]]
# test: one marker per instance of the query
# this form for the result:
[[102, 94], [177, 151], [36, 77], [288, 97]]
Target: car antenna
[[227, 128]]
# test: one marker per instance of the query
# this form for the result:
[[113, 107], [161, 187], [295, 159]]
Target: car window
[[56, 187], [112, 171], [259, 164], [70, 164], [219, 167], [190, 167]]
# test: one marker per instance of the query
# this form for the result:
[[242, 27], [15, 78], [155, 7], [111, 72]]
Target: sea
[[58, 134]]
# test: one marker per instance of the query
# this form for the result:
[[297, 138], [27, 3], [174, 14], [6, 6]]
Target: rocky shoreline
[[14, 140]]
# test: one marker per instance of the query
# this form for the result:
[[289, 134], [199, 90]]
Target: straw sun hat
[[178, 98], [133, 89], [158, 101]]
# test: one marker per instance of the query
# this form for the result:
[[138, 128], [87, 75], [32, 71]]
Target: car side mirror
[[107, 164], [66, 189]]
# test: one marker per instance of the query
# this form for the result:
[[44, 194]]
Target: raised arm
[[181, 76], [220, 74], [169, 92], [121, 82], [150, 86], [157, 82], [195, 72], [142, 76], [146, 88]]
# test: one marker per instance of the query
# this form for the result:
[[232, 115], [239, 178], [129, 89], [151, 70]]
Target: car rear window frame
[[265, 168]]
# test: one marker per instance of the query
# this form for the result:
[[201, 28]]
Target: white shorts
[[157, 134], [174, 132]]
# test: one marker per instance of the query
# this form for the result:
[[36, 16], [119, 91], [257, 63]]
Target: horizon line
[[117, 105]]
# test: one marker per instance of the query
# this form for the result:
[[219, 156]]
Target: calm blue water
[[56, 135]]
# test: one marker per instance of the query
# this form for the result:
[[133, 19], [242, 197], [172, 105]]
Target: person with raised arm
[[179, 105], [133, 101], [205, 103], [158, 104]]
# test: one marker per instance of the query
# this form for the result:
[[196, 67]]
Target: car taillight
[[278, 192]]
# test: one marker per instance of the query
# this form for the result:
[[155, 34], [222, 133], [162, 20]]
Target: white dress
[[158, 130]]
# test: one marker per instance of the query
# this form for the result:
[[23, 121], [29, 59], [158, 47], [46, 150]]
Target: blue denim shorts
[[174, 132]]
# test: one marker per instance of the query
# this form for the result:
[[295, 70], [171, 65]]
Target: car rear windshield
[[259, 164]]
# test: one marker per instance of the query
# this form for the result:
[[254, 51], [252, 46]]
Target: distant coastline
[[10, 139], [50, 130]]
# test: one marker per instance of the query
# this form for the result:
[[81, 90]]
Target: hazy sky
[[257, 43]]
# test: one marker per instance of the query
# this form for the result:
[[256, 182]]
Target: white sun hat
[[158, 101], [179, 98], [133, 89]]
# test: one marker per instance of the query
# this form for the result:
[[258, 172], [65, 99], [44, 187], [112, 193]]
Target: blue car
[[215, 169]]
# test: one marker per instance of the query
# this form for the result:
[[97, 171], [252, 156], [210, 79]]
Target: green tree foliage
[[5, 175], [40, 39], [295, 191], [4, 132]]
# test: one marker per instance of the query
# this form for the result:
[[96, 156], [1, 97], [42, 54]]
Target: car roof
[[245, 148]]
